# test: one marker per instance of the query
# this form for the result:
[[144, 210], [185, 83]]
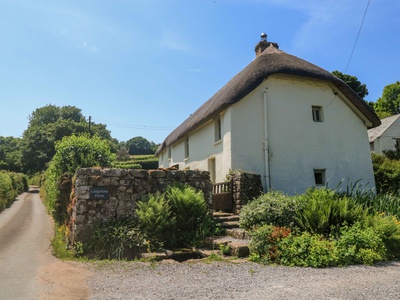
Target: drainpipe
[[266, 145]]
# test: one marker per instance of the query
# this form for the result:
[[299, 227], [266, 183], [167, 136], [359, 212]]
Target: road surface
[[28, 270]]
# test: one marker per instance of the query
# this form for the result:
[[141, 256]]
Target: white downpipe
[[266, 145]]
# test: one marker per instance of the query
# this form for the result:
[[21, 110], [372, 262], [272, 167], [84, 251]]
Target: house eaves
[[270, 61]]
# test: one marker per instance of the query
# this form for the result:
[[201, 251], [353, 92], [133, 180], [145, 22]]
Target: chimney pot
[[263, 44]]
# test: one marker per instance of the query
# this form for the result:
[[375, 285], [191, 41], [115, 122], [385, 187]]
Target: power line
[[142, 127], [358, 35]]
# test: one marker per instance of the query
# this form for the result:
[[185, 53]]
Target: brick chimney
[[263, 44]]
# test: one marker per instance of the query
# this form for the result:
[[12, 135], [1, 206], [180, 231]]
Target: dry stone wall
[[109, 193]]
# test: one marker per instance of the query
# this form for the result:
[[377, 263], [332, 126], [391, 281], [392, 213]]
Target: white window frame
[[317, 114]]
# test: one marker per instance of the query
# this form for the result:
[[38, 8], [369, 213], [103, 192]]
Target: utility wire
[[142, 127], [358, 35]]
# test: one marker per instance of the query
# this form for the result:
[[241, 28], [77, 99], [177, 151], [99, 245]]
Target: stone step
[[229, 224], [236, 247], [227, 218], [238, 233]]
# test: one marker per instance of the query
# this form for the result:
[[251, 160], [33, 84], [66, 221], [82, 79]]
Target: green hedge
[[147, 162], [11, 185]]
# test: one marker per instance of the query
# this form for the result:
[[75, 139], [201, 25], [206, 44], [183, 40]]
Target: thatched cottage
[[292, 122]]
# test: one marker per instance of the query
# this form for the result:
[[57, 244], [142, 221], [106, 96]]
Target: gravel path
[[245, 280]]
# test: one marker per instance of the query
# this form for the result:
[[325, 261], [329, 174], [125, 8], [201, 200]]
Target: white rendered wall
[[299, 145], [202, 147], [387, 140]]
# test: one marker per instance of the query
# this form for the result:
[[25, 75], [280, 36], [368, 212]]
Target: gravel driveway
[[245, 280]]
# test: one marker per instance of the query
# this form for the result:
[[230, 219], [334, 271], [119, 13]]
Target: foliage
[[388, 229], [123, 153], [72, 153], [273, 208], [60, 243], [192, 220], [264, 242], [155, 221], [36, 179], [50, 124], [307, 250], [360, 244], [324, 209], [139, 146], [10, 154], [116, 239], [11, 185], [352, 81], [147, 162], [6, 191], [389, 103], [387, 173]]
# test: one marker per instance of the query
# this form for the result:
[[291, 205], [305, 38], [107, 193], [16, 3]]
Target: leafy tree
[[10, 154], [389, 103], [353, 82], [50, 124], [139, 146], [123, 153]]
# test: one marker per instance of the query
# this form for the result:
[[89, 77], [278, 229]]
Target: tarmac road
[[25, 234]]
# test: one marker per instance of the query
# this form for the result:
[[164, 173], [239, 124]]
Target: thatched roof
[[270, 61], [377, 132]]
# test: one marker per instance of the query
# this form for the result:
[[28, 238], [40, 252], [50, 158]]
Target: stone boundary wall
[[245, 187], [109, 193]]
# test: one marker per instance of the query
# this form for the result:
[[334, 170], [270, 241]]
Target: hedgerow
[[11, 185]]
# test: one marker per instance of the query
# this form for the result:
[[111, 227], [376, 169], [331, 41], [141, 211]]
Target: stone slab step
[[238, 233], [229, 224], [239, 248], [227, 218]]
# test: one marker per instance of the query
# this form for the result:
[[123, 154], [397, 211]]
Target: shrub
[[388, 229], [264, 242], [72, 153], [307, 250], [6, 191], [116, 239], [360, 244], [192, 220], [271, 208], [324, 209], [155, 221], [387, 173]]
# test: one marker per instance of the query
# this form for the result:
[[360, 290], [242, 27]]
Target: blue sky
[[142, 67]]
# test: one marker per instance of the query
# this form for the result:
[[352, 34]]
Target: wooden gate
[[223, 196]]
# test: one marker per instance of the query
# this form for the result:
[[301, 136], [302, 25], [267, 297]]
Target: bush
[[388, 229], [360, 244], [116, 239], [155, 221], [6, 191], [264, 242], [324, 209], [307, 250], [11, 185], [72, 153], [387, 173], [271, 208], [192, 220]]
